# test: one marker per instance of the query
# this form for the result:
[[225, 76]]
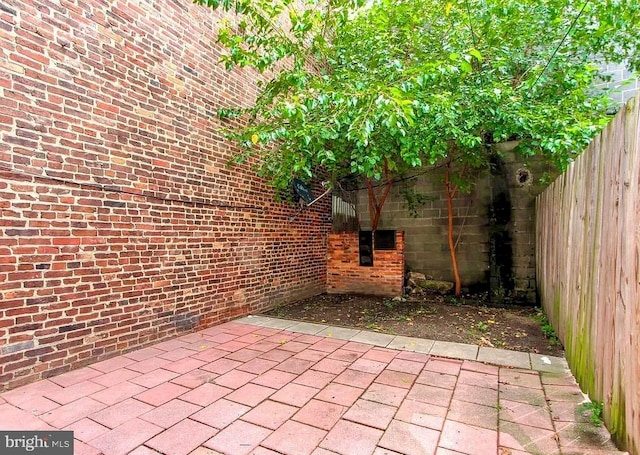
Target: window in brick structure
[[385, 240], [365, 244]]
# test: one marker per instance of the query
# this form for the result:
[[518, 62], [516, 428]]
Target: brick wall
[[345, 275], [121, 222]]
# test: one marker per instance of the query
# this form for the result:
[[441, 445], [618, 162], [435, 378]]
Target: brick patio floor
[[269, 386]]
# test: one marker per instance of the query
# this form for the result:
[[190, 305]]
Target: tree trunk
[[451, 192], [375, 204]]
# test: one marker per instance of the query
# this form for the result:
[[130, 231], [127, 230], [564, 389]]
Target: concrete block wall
[[622, 81], [121, 223], [426, 248]]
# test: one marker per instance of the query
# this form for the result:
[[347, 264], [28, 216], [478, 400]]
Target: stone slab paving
[[260, 386]]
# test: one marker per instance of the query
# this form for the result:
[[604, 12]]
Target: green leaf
[[476, 54], [447, 8], [358, 84], [465, 66]]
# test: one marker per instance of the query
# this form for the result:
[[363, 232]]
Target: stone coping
[[502, 357]]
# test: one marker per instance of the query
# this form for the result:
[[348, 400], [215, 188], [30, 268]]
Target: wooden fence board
[[588, 269]]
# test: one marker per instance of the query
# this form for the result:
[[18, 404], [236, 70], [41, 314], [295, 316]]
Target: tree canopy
[[374, 88], [358, 86]]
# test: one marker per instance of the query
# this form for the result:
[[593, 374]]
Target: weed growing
[[594, 408], [547, 328]]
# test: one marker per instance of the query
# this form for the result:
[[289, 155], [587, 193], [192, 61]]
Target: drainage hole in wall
[[524, 177]]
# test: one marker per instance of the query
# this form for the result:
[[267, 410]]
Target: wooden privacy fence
[[588, 270], [343, 212]]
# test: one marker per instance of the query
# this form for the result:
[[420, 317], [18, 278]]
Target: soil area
[[470, 319]]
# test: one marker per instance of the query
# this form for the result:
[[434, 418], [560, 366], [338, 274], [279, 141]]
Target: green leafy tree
[[377, 88]]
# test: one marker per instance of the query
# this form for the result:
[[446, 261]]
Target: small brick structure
[[346, 275]]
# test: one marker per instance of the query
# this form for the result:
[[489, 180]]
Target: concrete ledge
[[454, 350], [549, 363], [375, 338], [403, 343], [339, 333], [272, 323], [502, 357], [308, 328], [506, 358]]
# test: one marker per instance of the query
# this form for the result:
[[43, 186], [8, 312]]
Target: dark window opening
[[365, 244], [385, 240]]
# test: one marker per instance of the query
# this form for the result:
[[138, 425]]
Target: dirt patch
[[468, 320]]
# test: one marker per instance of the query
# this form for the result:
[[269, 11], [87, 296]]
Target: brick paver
[[194, 378], [238, 438], [86, 429], [436, 379], [432, 395], [536, 416], [340, 394], [356, 378], [69, 413], [294, 394], [295, 438], [396, 378], [162, 393], [74, 377], [234, 379], [410, 439], [73, 392], [270, 414], [125, 438], [37, 405], [205, 394], [274, 379], [117, 376], [349, 438], [473, 394], [423, 414], [320, 414], [474, 414], [120, 413], [170, 413], [117, 393], [528, 438], [251, 394], [376, 415], [259, 387], [317, 379], [182, 438], [221, 413], [468, 438], [385, 394]]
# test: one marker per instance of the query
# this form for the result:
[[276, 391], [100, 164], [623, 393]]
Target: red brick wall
[[345, 275], [121, 222]]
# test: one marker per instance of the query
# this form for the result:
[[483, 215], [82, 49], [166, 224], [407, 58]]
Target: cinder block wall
[[345, 275], [622, 81], [426, 248], [121, 223]]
